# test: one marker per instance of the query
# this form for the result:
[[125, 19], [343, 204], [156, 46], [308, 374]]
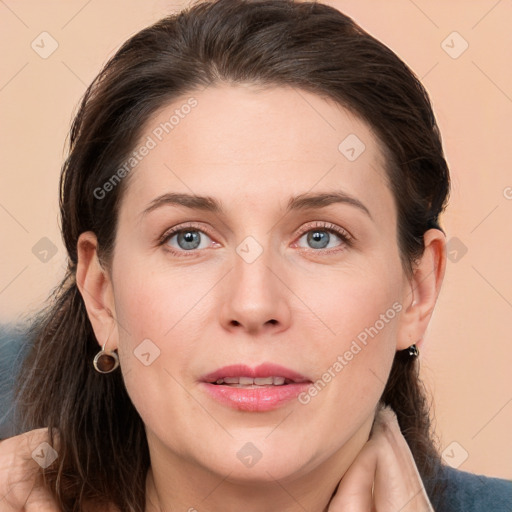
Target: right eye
[[185, 239]]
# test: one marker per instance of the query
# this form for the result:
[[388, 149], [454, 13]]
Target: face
[[269, 277]]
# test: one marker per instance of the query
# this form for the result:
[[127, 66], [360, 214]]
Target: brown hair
[[306, 45]]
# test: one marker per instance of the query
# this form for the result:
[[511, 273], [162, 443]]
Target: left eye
[[320, 238]]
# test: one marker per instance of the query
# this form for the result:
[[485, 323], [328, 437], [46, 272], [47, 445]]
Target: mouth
[[266, 374], [266, 387], [250, 382]]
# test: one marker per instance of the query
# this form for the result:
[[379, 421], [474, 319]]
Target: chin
[[264, 472], [259, 461]]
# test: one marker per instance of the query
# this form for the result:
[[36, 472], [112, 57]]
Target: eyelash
[[345, 237]]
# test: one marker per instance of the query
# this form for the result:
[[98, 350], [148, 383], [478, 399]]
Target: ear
[[421, 291], [95, 285]]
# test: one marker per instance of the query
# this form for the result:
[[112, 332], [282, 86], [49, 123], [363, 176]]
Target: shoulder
[[468, 492]]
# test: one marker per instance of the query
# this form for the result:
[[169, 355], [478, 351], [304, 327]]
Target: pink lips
[[263, 370], [255, 399]]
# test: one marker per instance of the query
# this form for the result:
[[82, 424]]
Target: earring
[[413, 351], [105, 362]]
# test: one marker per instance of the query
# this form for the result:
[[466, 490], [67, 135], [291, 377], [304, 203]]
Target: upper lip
[[263, 370]]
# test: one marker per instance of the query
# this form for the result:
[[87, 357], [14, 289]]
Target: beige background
[[466, 360]]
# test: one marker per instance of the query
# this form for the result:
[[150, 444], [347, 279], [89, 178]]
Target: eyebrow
[[304, 201]]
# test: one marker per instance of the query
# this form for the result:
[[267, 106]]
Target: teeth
[[249, 381], [263, 381]]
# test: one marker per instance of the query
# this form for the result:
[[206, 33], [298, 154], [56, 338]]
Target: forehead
[[252, 144]]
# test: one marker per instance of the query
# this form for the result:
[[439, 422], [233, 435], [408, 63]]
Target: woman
[[250, 207]]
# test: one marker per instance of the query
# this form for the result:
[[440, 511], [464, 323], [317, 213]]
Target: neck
[[232, 497], [179, 484]]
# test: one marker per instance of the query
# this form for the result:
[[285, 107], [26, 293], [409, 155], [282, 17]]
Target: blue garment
[[465, 492], [13, 348]]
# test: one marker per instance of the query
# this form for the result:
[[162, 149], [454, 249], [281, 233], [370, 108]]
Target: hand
[[21, 486], [384, 476]]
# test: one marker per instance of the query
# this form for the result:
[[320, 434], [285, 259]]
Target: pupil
[[190, 239], [315, 238]]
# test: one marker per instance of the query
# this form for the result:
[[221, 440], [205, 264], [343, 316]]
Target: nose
[[256, 296]]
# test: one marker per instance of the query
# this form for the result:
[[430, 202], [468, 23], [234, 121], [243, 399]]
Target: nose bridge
[[252, 268], [256, 296]]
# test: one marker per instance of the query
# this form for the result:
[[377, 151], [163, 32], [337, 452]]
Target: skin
[[21, 486], [295, 305], [384, 462]]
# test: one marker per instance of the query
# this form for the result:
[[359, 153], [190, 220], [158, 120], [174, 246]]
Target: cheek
[[351, 360], [353, 356], [158, 316], [356, 306], [152, 304]]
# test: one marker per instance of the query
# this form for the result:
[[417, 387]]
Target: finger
[[354, 493], [31, 497], [40, 500], [398, 484], [385, 462], [15, 489], [18, 470]]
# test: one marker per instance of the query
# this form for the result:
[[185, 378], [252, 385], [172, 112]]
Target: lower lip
[[265, 398]]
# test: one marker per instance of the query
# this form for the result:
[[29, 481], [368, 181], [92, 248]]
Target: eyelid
[[183, 227], [326, 226]]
